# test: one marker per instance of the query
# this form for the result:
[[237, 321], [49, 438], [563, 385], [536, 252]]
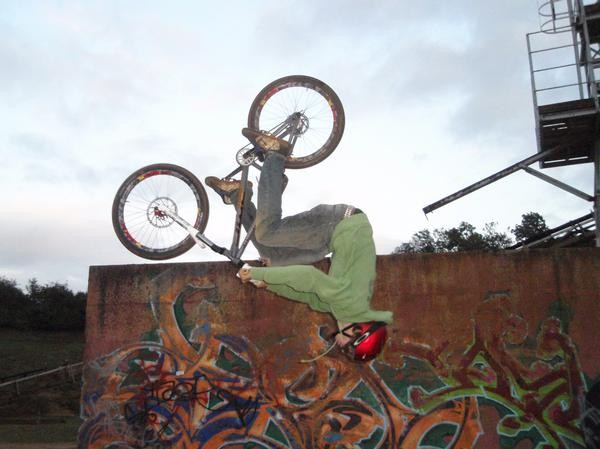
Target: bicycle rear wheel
[[138, 217], [304, 110]]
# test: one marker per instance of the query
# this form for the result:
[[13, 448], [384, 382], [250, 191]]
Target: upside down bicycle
[[161, 210]]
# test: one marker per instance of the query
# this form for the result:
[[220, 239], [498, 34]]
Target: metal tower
[[564, 63]]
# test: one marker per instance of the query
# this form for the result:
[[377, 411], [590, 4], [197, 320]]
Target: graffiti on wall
[[590, 419], [188, 383]]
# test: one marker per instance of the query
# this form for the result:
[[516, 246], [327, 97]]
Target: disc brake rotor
[[156, 212]]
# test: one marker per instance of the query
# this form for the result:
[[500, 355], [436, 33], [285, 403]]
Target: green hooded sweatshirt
[[346, 291]]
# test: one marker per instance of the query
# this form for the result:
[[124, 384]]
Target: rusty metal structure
[[564, 60]]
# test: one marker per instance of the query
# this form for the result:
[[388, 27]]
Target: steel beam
[[490, 179], [555, 182]]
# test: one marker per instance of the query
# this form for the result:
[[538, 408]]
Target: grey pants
[[298, 239]]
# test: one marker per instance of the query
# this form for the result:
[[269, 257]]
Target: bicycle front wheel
[[141, 208], [306, 111]]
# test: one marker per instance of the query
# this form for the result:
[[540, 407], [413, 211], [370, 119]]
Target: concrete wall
[[486, 351]]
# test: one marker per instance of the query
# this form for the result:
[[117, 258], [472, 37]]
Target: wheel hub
[[301, 123], [157, 212]]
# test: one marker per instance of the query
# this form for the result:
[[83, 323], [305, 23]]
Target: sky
[[437, 95]]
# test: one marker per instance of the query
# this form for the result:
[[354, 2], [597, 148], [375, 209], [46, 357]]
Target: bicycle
[[161, 210]]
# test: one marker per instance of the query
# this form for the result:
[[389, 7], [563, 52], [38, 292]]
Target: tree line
[[48, 307], [465, 237]]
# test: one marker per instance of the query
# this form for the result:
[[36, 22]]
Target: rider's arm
[[321, 292], [302, 278], [302, 283], [307, 298]]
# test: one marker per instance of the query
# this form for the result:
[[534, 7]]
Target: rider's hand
[[342, 340], [245, 276]]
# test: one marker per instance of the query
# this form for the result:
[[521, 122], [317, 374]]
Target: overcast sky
[[437, 96]]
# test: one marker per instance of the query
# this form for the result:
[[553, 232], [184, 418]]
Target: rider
[[287, 245]]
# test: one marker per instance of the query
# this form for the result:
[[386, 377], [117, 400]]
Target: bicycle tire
[[136, 222], [327, 111]]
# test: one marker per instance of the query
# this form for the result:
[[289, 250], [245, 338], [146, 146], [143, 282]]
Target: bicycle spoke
[[315, 113], [309, 109], [147, 199]]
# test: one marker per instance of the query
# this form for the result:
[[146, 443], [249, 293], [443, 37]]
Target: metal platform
[[563, 59], [573, 127], [565, 92]]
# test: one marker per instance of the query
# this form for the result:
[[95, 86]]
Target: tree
[[33, 288], [421, 242], [532, 224], [12, 300], [49, 307], [58, 308], [465, 237]]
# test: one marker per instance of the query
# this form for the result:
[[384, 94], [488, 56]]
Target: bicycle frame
[[138, 218], [235, 252], [292, 127]]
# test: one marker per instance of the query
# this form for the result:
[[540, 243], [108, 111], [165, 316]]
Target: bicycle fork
[[234, 254], [203, 241]]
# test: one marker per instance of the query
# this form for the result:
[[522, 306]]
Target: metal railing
[[554, 14], [551, 73], [66, 373], [563, 48]]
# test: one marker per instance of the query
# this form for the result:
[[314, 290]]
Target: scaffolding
[[564, 64]]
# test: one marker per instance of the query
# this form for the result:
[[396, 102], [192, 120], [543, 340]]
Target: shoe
[[267, 142], [224, 187]]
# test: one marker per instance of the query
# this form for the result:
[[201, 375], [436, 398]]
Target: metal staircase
[[563, 58], [564, 63]]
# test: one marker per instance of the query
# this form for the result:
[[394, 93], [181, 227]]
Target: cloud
[[436, 96]]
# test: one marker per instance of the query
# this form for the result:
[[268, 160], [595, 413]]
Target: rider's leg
[[272, 255], [248, 218], [310, 230]]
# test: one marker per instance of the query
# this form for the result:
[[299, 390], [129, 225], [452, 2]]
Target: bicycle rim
[[138, 211], [313, 105]]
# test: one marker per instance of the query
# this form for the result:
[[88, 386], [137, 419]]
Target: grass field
[[22, 351], [53, 432], [48, 415]]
